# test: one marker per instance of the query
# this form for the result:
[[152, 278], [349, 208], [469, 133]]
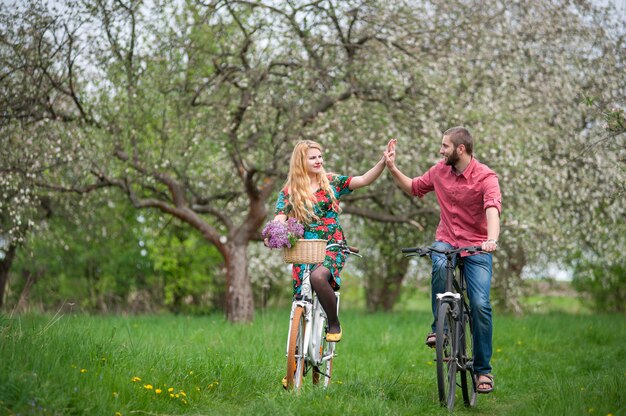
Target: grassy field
[[545, 364]]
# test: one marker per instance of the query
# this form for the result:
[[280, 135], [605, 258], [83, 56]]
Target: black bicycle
[[454, 340]]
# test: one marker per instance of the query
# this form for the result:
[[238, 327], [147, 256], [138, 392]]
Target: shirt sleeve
[[283, 206], [422, 185], [491, 193], [341, 185]]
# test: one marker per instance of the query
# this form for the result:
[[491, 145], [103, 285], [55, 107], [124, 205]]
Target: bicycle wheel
[[324, 370], [446, 363], [295, 350], [468, 383]]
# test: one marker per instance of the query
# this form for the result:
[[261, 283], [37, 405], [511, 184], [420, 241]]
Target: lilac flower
[[283, 234]]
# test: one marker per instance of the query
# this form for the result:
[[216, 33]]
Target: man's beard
[[453, 158]]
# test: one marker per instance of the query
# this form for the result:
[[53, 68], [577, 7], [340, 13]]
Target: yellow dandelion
[[135, 379], [429, 362], [158, 391], [171, 389], [184, 401], [118, 414], [499, 350], [182, 393], [191, 372], [177, 395], [197, 388], [171, 395], [82, 370], [148, 386]]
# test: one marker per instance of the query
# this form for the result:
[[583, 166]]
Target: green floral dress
[[326, 228]]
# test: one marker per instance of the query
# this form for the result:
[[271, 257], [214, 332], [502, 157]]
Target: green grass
[[545, 364]]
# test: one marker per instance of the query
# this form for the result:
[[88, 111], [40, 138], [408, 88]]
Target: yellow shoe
[[334, 337]]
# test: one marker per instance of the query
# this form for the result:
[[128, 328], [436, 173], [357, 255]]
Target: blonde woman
[[312, 197]]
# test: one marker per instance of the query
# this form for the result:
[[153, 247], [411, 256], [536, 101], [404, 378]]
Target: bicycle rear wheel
[[295, 350], [468, 383], [446, 346], [322, 373]]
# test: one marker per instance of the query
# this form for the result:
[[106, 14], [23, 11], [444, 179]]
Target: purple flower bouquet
[[283, 234]]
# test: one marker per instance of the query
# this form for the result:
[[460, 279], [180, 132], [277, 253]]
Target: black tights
[[326, 296]]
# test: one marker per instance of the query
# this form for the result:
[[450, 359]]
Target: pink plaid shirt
[[463, 199]]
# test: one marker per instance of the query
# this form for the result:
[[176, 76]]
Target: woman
[[312, 197]]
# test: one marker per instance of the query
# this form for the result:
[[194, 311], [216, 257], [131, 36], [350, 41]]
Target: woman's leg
[[326, 296]]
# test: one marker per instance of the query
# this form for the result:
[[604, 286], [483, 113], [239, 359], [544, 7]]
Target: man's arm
[[493, 229], [403, 181]]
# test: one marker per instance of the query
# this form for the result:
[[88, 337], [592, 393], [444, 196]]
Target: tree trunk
[[5, 266], [508, 267], [240, 302], [383, 288], [31, 278]]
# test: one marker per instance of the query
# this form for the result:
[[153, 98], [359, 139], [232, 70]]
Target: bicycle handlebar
[[424, 251], [345, 248]]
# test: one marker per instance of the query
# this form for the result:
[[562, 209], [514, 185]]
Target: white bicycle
[[307, 348]]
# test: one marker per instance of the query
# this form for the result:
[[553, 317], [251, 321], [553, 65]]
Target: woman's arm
[[281, 218], [369, 176]]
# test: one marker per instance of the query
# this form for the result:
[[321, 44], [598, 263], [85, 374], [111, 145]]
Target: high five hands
[[390, 153]]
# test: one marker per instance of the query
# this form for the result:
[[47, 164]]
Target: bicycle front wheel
[[446, 361], [468, 383], [295, 350]]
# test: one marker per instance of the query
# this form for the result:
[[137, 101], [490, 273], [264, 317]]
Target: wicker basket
[[306, 252]]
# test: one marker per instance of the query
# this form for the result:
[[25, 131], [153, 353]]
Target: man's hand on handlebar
[[489, 245]]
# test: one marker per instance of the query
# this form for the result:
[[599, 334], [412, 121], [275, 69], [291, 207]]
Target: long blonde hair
[[298, 183]]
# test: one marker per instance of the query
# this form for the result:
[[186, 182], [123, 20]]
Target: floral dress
[[326, 228]]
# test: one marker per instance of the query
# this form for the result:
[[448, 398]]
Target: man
[[469, 200]]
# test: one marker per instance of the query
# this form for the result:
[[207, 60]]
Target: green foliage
[[91, 261], [550, 364], [103, 257], [190, 270], [193, 107], [602, 285]]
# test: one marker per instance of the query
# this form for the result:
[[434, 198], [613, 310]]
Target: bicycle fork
[[453, 299]]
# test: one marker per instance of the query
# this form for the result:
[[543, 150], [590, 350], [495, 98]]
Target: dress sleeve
[[341, 185], [283, 207]]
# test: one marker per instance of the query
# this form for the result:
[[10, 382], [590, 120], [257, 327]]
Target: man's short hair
[[460, 135]]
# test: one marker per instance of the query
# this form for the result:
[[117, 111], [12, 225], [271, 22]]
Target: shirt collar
[[467, 170]]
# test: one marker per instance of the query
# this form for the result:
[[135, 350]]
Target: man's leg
[[478, 272], [438, 277]]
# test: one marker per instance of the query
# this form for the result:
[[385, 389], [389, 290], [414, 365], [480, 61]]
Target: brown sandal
[[480, 383], [431, 340]]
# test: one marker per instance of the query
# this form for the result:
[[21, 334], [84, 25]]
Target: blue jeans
[[478, 271]]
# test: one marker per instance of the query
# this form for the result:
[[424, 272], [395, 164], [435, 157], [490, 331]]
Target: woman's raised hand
[[390, 153]]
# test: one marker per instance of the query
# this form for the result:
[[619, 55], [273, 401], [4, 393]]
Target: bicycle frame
[[315, 318], [316, 352], [456, 296], [453, 328]]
